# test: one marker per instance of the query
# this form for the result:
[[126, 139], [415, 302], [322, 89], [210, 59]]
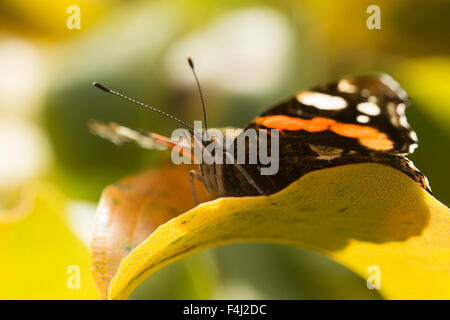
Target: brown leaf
[[130, 210]]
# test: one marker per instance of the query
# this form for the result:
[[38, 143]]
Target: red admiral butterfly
[[354, 120]]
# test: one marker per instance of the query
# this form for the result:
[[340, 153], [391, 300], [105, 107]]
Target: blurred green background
[[249, 55]]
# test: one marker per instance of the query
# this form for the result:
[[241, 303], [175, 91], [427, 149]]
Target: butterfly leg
[[244, 173], [194, 174]]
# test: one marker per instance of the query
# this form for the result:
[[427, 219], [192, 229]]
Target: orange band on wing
[[367, 136], [163, 140], [291, 123], [183, 151]]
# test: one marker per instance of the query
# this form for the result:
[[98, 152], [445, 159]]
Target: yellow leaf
[[361, 215], [40, 256]]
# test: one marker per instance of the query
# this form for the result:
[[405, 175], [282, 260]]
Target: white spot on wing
[[413, 147], [321, 100], [362, 119], [326, 152], [404, 122], [369, 108], [394, 86], [365, 93], [391, 109], [345, 86], [401, 113], [413, 136], [401, 109]]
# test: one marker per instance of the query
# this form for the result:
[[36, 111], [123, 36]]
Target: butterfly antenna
[[101, 87], [191, 64]]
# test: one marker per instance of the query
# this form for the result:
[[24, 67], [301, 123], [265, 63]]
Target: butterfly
[[356, 119]]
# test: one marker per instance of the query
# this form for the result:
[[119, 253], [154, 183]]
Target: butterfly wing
[[354, 113], [120, 135], [354, 120]]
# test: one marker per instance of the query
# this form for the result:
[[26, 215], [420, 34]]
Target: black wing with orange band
[[355, 113]]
